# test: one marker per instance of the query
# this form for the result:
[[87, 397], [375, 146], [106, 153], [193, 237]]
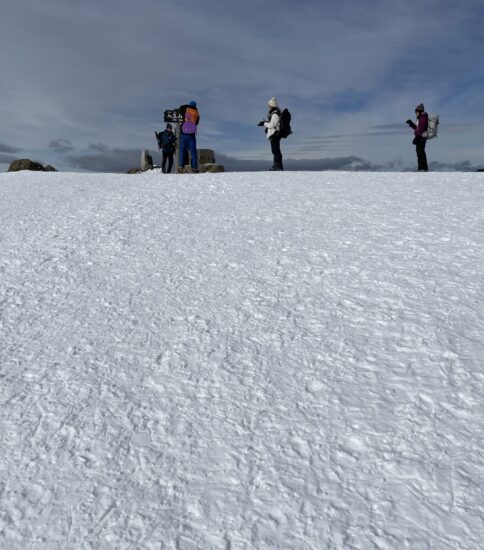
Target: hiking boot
[[179, 170], [195, 171]]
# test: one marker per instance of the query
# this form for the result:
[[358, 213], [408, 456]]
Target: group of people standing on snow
[[272, 125], [188, 140]]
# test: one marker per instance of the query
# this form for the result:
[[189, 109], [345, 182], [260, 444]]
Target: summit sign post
[[174, 117]]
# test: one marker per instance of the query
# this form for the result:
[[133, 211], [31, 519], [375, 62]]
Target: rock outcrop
[[146, 161], [206, 162], [27, 164]]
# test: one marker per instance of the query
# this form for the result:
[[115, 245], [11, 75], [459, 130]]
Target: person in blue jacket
[[167, 144]]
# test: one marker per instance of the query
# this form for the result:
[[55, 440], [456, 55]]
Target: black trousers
[[275, 140], [421, 155], [167, 157]]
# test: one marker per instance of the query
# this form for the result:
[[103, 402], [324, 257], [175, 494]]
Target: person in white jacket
[[272, 127]]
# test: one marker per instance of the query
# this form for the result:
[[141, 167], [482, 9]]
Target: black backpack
[[285, 124]]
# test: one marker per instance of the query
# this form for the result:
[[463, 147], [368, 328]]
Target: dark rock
[[202, 169], [25, 164], [206, 156], [50, 168], [210, 168], [480, 170], [134, 171]]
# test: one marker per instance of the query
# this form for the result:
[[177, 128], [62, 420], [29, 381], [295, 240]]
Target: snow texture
[[235, 361]]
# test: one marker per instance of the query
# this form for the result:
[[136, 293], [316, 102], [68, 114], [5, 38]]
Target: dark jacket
[[168, 141]]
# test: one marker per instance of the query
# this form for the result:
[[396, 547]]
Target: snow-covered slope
[[242, 361]]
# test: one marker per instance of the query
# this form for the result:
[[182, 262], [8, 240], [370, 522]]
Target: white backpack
[[433, 128]]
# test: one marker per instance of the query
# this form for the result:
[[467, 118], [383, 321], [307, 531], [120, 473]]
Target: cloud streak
[[104, 159], [61, 145], [6, 159], [8, 148], [253, 165]]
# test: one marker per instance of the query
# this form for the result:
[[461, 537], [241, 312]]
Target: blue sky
[[84, 84]]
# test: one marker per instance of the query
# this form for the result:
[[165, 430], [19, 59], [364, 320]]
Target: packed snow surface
[[242, 361]]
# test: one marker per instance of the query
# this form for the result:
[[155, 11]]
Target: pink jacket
[[422, 125]]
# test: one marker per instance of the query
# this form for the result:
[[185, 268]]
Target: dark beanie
[[169, 126], [420, 108]]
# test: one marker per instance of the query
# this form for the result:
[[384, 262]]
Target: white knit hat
[[273, 102]]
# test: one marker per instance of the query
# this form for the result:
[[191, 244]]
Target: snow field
[[242, 361]]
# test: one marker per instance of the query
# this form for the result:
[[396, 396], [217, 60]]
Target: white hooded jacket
[[273, 125]]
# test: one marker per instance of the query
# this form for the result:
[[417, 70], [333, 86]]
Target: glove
[[260, 123], [409, 122]]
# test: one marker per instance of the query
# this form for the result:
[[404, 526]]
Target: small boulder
[[50, 168], [211, 168], [202, 169], [206, 156]]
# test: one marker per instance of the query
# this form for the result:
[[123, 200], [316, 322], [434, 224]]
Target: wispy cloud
[[8, 148], [61, 145], [101, 147]]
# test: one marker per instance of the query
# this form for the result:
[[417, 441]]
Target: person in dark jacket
[[188, 136], [420, 131], [167, 143], [272, 128]]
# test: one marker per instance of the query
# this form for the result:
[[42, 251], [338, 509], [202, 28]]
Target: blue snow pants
[[188, 142]]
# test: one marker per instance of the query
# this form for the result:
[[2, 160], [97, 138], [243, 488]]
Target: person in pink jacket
[[420, 140]]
